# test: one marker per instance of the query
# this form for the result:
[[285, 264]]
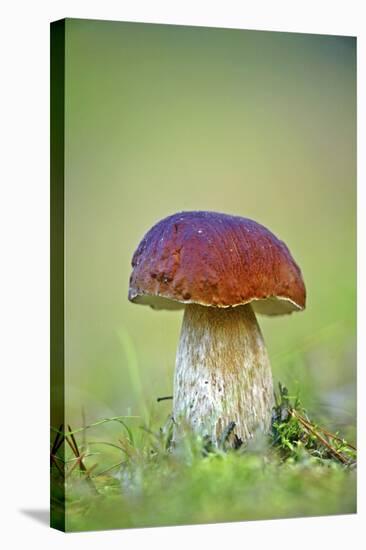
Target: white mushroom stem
[[222, 374]]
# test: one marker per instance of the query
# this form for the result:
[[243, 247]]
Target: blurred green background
[[166, 118]]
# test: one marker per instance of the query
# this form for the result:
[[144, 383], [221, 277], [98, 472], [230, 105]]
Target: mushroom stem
[[222, 374]]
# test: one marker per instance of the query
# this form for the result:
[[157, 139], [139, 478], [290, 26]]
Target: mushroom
[[222, 270]]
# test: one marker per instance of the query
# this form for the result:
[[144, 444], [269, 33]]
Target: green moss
[[139, 480]]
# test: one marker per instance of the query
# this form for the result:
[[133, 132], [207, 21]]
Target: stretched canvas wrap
[[203, 275]]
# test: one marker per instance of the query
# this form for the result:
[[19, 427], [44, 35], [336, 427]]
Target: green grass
[[139, 480]]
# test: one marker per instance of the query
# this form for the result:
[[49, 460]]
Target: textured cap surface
[[218, 260]]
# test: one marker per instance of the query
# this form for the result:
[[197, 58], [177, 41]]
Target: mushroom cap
[[214, 259]]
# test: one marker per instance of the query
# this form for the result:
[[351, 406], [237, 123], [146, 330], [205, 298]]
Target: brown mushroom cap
[[217, 260]]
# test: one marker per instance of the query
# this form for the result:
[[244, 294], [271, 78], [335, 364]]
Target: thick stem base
[[222, 373]]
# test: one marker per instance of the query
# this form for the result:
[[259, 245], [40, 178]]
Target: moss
[[138, 480]]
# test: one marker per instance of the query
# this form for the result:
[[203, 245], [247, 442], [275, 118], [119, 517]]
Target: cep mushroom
[[222, 270]]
